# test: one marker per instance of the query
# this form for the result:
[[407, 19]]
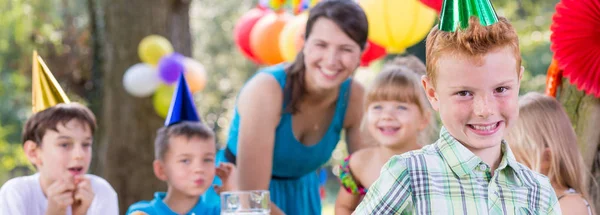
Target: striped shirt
[[447, 178]]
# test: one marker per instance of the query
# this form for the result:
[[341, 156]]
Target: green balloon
[[162, 99]]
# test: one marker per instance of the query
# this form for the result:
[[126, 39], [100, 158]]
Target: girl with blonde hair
[[398, 118], [544, 140]]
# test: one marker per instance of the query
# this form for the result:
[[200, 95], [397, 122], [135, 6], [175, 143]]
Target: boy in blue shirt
[[185, 152]]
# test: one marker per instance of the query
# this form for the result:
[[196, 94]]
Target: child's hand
[[83, 195], [60, 196], [226, 171]]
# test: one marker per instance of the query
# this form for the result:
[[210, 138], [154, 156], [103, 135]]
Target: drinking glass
[[252, 202]]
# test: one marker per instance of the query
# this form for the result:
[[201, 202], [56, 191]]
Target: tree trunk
[[127, 124], [584, 111]]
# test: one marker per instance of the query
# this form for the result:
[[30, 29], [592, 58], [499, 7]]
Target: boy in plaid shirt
[[473, 77]]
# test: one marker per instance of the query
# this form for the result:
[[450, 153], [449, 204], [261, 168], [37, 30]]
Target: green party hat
[[456, 13]]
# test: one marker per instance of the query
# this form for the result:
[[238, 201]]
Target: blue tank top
[[291, 158]]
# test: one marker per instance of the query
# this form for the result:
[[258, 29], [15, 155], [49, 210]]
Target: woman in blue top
[[288, 119]]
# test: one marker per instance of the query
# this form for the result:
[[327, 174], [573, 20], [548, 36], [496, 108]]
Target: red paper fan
[[576, 43]]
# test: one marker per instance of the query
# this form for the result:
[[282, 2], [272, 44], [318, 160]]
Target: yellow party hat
[[45, 90]]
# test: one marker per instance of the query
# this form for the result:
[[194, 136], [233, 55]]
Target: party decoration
[[397, 24], [372, 53], [434, 4], [141, 80], [45, 90], [299, 6], [242, 29], [264, 37], [456, 13], [152, 48], [553, 78], [575, 43], [291, 38], [161, 68], [161, 99], [195, 74], [275, 5], [170, 67], [182, 105], [322, 182]]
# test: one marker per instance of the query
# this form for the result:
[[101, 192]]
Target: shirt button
[[482, 167]]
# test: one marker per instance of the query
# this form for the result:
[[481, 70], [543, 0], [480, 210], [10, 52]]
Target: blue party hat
[[182, 106]]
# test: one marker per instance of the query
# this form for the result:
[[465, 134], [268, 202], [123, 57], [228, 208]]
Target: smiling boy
[[473, 78]]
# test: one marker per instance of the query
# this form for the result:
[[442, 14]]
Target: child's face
[[64, 153], [189, 164], [392, 122], [477, 101]]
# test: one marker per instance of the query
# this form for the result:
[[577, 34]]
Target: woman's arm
[[259, 106], [354, 114]]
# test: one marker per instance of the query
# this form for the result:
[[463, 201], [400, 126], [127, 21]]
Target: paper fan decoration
[[576, 44]]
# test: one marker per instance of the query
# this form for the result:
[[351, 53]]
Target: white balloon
[[141, 80]]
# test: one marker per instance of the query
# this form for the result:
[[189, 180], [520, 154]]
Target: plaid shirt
[[447, 178]]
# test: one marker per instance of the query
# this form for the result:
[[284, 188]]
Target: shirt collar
[[163, 208], [508, 159], [462, 161], [160, 205]]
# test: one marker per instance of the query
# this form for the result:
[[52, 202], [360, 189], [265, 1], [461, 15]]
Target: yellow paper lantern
[[398, 24], [291, 38]]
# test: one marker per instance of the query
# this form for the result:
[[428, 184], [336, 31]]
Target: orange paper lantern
[[291, 37], [264, 37]]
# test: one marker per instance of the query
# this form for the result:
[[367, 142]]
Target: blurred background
[[90, 44]]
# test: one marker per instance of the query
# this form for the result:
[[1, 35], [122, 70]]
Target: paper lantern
[[372, 53], [291, 38], [575, 43], [264, 37], [398, 24], [434, 4], [242, 29]]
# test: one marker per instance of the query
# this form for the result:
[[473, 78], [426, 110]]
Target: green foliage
[[212, 23], [25, 25], [532, 21]]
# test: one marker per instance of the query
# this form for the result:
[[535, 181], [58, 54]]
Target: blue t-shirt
[[158, 207]]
